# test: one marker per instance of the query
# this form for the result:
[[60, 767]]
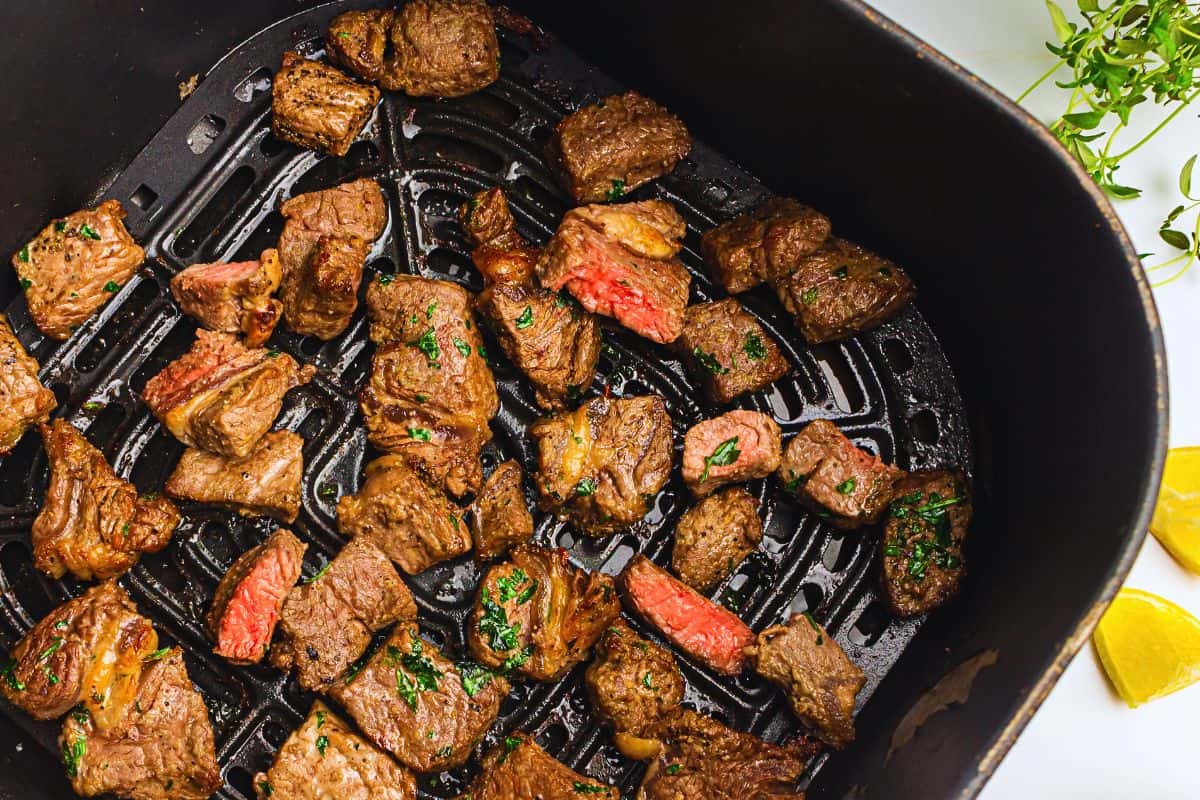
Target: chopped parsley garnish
[[709, 362], [60, 225], [320, 573], [10, 676], [527, 593], [725, 454], [462, 347], [406, 689], [674, 768], [343, 35], [327, 491], [26, 283], [73, 753], [847, 486], [474, 677], [421, 398], [518, 659], [61, 625], [273, 352], [427, 344], [931, 517], [586, 487], [422, 434], [157, 654], [588, 788], [321, 715], [501, 636], [754, 347], [23, 254], [526, 318], [794, 483], [385, 278], [453, 520], [841, 272], [617, 191], [509, 584], [510, 743], [809, 296], [89, 232], [429, 309], [322, 743], [93, 405], [112, 286], [419, 666], [648, 683], [265, 786]]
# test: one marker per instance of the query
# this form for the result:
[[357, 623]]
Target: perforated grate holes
[[870, 625], [214, 212], [144, 197], [256, 83], [204, 133], [897, 355]]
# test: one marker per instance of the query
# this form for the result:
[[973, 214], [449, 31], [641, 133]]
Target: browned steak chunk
[[360, 41], [24, 402], [724, 345], [355, 208], [232, 298], [539, 614], [737, 446], [316, 107], [75, 265], [820, 681], [327, 621], [162, 750], [500, 518], [602, 464], [923, 562], [714, 536], [221, 396], [249, 598], [518, 769], [264, 483], [324, 758], [443, 48], [620, 261], [93, 524], [413, 523], [843, 289], [763, 244], [604, 150], [634, 685], [415, 703], [836, 478], [320, 298]]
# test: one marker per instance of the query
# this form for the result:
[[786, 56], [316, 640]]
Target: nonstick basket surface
[[207, 188]]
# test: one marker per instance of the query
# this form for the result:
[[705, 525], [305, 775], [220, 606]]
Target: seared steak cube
[[843, 289], [620, 261], [820, 681], [923, 561], [249, 598], [830, 474], [602, 464], [264, 483], [93, 524], [714, 536], [443, 48], [324, 758], [764, 244], [316, 107], [358, 41], [320, 298], [24, 402], [633, 683], [488, 222], [737, 446], [327, 622], [539, 614], [604, 150], [500, 518], [221, 396], [413, 523], [75, 265], [232, 298], [418, 705], [354, 208], [518, 769], [724, 345]]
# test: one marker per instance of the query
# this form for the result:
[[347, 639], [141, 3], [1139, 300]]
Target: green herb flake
[[473, 677], [527, 594], [427, 343], [343, 35], [73, 753], [509, 585], [723, 455], [586, 487], [93, 405], [26, 283], [112, 286], [588, 788], [23, 254], [321, 715], [406, 689], [266, 788], [518, 659], [429, 309], [60, 225], [320, 573], [841, 272], [754, 348], [674, 768], [419, 666], [525, 319], [510, 743], [493, 624], [157, 654], [462, 347], [648, 683], [421, 398], [809, 296], [61, 625], [847, 486], [617, 191], [327, 491], [709, 362], [385, 278], [420, 434], [322, 743], [273, 352], [10, 676]]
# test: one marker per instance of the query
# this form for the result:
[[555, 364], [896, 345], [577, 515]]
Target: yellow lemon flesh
[[1149, 646], [1176, 520]]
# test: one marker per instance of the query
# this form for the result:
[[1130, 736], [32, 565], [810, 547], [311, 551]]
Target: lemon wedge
[[1149, 646], [1176, 520]]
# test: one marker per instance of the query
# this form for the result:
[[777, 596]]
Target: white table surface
[[1084, 742]]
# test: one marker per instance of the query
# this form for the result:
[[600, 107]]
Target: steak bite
[[327, 622], [724, 346], [75, 265], [24, 401], [500, 517], [714, 536], [518, 769], [704, 630], [316, 107], [833, 476], [820, 681], [415, 703], [221, 396], [923, 562], [614, 146], [634, 685], [359, 41], [539, 614], [354, 208], [413, 523], [443, 48], [763, 244], [735, 447], [93, 524], [324, 758], [247, 602], [232, 298], [843, 289], [620, 261], [321, 296], [602, 464], [264, 483], [163, 747]]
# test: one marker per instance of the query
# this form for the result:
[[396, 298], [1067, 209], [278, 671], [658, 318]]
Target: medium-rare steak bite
[[500, 518], [839, 480], [221, 396], [763, 244], [604, 150], [324, 759], [355, 208], [360, 42], [93, 524], [24, 401], [320, 298], [601, 465], [249, 597], [714, 536], [519, 769], [317, 107], [620, 261], [75, 265], [412, 522], [264, 483], [232, 298], [737, 446], [726, 347], [415, 703], [820, 681], [327, 621]]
